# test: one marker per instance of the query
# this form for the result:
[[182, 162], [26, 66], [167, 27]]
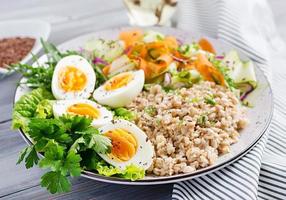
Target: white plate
[[25, 28], [259, 116]]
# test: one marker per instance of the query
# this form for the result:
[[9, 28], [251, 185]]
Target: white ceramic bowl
[[259, 116], [24, 28]]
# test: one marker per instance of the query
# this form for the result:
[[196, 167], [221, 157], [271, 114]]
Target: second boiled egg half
[[121, 89]]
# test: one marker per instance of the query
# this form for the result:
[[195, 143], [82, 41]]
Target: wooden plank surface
[[68, 19], [88, 189]]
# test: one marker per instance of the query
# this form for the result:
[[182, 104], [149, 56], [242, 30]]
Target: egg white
[[81, 64], [144, 152], [105, 116], [121, 96]]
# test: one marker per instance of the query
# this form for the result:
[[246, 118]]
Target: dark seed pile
[[13, 50]]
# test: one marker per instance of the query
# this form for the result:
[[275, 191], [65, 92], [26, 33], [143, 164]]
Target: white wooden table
[[69, 19]]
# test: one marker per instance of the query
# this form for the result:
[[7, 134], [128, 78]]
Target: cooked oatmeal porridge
[[189, 127]]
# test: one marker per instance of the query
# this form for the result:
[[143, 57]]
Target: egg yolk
[[72, 79], [118, 81], [84, 109], [124, 145]]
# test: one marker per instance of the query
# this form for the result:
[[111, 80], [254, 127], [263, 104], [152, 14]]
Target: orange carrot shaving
[[189, 66], [158, 46], [105, 70], [130, 37], [142, 64], [138, 50], [206, 45], [208, 71], [165, 59], [171, 42]]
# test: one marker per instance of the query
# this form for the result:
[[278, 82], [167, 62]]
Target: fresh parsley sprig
[[61, 141]]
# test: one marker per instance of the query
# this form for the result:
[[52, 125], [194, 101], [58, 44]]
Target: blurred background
[[76, 17]]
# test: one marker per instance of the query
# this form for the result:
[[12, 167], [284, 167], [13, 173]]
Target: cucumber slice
[[241, 72], [189, 50], [107, 50], [121, 64], [152, 36]]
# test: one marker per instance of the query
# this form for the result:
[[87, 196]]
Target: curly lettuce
[[123, 113], [25, 108], [92, 161], [44, 109], [133, 173]]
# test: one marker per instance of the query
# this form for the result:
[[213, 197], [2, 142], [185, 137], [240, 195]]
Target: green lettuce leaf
[[44, 109], [92, 161], [123, 113], [26, 106], [133, 173], [107, 170]]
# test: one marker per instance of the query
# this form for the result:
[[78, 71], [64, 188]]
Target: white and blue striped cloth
[[248, 25]]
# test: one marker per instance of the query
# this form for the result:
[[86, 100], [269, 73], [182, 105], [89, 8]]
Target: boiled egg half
[[73, 78], [121, 89], [130, 145], [83, 107]]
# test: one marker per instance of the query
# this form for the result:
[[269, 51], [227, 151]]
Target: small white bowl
[[24, 28]]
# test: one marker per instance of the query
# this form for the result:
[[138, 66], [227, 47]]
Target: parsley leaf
[[54, 154], [100, 143], [48, 128], [90, 159], [210, 100], [55, 182], [75, 123], [30, 156], [150, 110], [61, 164], [202, 120], [93, 140], [72, 164]]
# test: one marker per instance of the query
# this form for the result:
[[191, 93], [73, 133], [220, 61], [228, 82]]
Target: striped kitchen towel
[[248, 25]]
